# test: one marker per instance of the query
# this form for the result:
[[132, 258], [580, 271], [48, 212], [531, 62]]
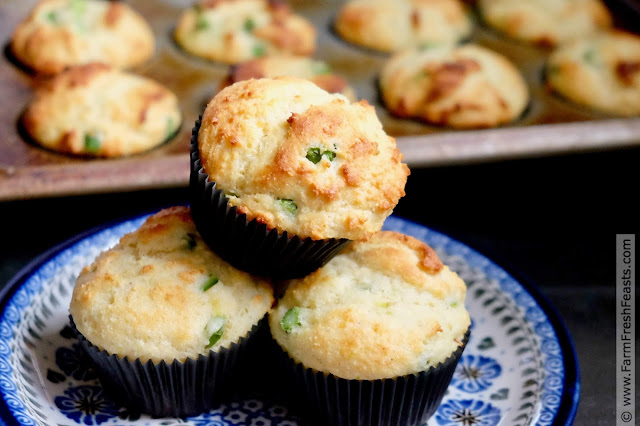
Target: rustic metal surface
[[28, 171]]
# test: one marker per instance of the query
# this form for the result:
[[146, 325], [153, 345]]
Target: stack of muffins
[[290, 186]]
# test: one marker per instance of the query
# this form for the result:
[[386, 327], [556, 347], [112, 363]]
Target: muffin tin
[[549, 125]]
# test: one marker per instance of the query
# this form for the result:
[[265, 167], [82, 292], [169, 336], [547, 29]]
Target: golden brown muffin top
[[61, 33], [96, 110], [162, 294], [301, 160]]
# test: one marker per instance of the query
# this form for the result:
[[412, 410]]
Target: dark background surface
[[552, 221]]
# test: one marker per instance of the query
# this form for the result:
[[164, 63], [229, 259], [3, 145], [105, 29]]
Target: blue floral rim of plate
[[519, 367]]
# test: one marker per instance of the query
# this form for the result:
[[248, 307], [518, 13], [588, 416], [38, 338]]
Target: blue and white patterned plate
[[519, 367]]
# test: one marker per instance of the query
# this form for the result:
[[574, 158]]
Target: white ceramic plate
[[519, 367]]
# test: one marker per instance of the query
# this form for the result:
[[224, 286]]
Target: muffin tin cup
[[248, 244], [171, 389], [407, 400]]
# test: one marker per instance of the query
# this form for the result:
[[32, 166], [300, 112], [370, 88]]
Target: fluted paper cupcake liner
[[170, 389], [248, 244], [407, 400]]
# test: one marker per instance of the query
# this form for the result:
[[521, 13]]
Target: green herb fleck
[[215, 327], [314, 155], [170, 128], [190, 240], [201, 23], [427, 46], [590, 56], [259, 50], [230, 194], [320, 68], [92, 143], [289, 205], [454, 304], [329, 154], [291, 319], [383, 304], [52, 17], [249, 25], [213, 280]]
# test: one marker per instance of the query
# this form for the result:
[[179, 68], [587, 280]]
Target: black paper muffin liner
[[171, 389], [248, 244], [407, 400]]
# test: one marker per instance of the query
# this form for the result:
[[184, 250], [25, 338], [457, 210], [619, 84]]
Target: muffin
[[95, 110], [545, 22], [233, 31], [284, 174], [316, 71], [389, 26], [463, 87], [601, 72], [384, 315], [61, 33], [164, 318]]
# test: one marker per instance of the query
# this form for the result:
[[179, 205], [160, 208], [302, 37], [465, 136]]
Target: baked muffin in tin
[[392, 25], [310, 69], [95, 110], [62, 33], [601, 72], [464, 87], [233, 31], [545, 22]]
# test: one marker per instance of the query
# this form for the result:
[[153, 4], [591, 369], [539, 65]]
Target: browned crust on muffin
[[626, 71]]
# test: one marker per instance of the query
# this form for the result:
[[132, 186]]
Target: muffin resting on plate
[[294, 66], [382, 309], [301, 160], [601, 72], [162, 295], [95, 110], [61, 33], [467, 86], [233, 31], [389, 25], [545, 22]]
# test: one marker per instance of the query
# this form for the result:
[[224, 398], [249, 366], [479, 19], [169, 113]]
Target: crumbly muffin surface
[[299, 159], [392, 25], [467, 86], [601, 72], [162, 294], [61, 33], [382, 308], [233, 31], [95, 110], [545, 22], [315, 71]]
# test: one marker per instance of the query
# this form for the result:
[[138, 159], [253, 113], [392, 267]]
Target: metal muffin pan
[[550, 125]]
